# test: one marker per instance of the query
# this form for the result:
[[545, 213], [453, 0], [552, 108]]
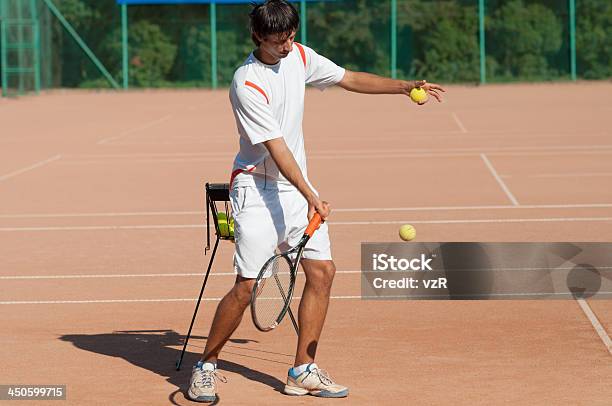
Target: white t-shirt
[[268, 103]]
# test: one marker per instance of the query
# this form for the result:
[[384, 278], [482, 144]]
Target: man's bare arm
[[362, 82], [287, 165]]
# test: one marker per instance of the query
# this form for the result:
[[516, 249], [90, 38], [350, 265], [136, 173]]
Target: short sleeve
[[320, 71], [253, 114]]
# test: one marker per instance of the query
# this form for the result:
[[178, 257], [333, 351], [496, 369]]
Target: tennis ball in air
[[407, 232], [418, 95]]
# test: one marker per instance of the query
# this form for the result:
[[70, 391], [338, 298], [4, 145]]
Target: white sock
[[300, 369], [206, 366]]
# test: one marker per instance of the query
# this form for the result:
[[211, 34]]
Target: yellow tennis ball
[[407, 232], [418, 95], [225, 229]]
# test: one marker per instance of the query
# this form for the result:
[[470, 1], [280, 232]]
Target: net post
[[46, 46], [20, 42], [213, 43], [394, 39], [3, 57], [303, 22], [36, 48], [572, 38], [124, 46], [481, 30]]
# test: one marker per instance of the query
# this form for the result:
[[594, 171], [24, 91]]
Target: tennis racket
[[273, 289]]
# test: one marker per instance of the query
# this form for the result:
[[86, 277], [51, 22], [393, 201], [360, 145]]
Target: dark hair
[[273, 17]]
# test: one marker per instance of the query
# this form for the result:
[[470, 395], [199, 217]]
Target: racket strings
[[272, 292]]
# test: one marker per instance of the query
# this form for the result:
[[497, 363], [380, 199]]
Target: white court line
[[524, 220], [334, 154], [335, 223], [552, 151], [218, 158], [499, 180], [29, 168], [339, 157], [346, 156], [560, 175], [98, 228], [345, 210], [459, 123], [295, 298], [328, 152], [484, 207], [135, 129], [466, 154], [441, 154], [599, 329], [206, 299], [201, 274], [148, 155], [421, 133], [490, 132], [570, 175], [499, 134], [359, 152], [108, 214], [149, 275]]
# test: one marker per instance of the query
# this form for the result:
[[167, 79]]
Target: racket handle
[[314, 224]]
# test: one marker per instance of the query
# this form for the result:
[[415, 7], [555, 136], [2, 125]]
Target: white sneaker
[[203, 385], [315, 382]]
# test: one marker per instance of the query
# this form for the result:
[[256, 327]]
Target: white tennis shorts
[[268, 219]]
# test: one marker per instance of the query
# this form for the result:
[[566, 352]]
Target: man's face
[[278, 45]]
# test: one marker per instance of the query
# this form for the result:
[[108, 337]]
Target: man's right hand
[[320, 206]]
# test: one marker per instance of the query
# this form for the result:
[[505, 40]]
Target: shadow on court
[[150, 349]]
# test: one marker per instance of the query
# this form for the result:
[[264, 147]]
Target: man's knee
[[320, 273], [241, 292]]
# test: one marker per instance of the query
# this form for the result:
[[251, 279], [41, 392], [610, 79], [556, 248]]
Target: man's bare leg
[[313, 307], [227, 317]]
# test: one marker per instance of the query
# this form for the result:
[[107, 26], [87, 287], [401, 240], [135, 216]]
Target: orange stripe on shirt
[[239, 171], [259, 89], [302, 52]]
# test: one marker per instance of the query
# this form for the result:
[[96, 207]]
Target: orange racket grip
[[314, 224]]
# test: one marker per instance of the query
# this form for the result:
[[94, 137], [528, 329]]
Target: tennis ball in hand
[[407, 232], [418, 95]]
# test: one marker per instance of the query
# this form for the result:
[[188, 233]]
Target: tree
[[594, 38], [151, 53], [522, 38], [445, 40], [353, 34]]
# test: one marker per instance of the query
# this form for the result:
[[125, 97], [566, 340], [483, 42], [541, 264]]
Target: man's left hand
[[432, 89]]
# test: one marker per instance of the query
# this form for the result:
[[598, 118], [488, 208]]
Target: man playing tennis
[[271, 196]]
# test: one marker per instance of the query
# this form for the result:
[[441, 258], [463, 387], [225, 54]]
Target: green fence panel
[[20, 47], [437, 40], [352, 33], [81, 40]]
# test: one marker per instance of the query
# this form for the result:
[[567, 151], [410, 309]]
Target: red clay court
[[102, 230]]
